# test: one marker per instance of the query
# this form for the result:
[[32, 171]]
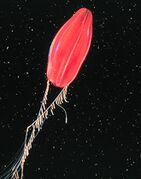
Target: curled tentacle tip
[[66, 121]]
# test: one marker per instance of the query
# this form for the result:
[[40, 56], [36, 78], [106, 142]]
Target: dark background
[[102, 139]]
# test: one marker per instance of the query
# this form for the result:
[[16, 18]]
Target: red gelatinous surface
[[69, 48]]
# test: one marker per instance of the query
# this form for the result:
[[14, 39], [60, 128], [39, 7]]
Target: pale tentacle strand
[[16, 170]]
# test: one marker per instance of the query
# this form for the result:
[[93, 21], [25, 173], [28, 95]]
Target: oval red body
[[69, 48]]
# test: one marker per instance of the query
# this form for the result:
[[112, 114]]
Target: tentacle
[[17, 169], [66, 116]]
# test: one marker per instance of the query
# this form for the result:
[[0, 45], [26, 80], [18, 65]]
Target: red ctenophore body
[[69, 48]]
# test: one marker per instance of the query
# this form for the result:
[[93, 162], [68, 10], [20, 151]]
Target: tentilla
[[17, 169]]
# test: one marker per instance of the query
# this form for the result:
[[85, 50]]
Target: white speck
[[7, 47], [53, 147]]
